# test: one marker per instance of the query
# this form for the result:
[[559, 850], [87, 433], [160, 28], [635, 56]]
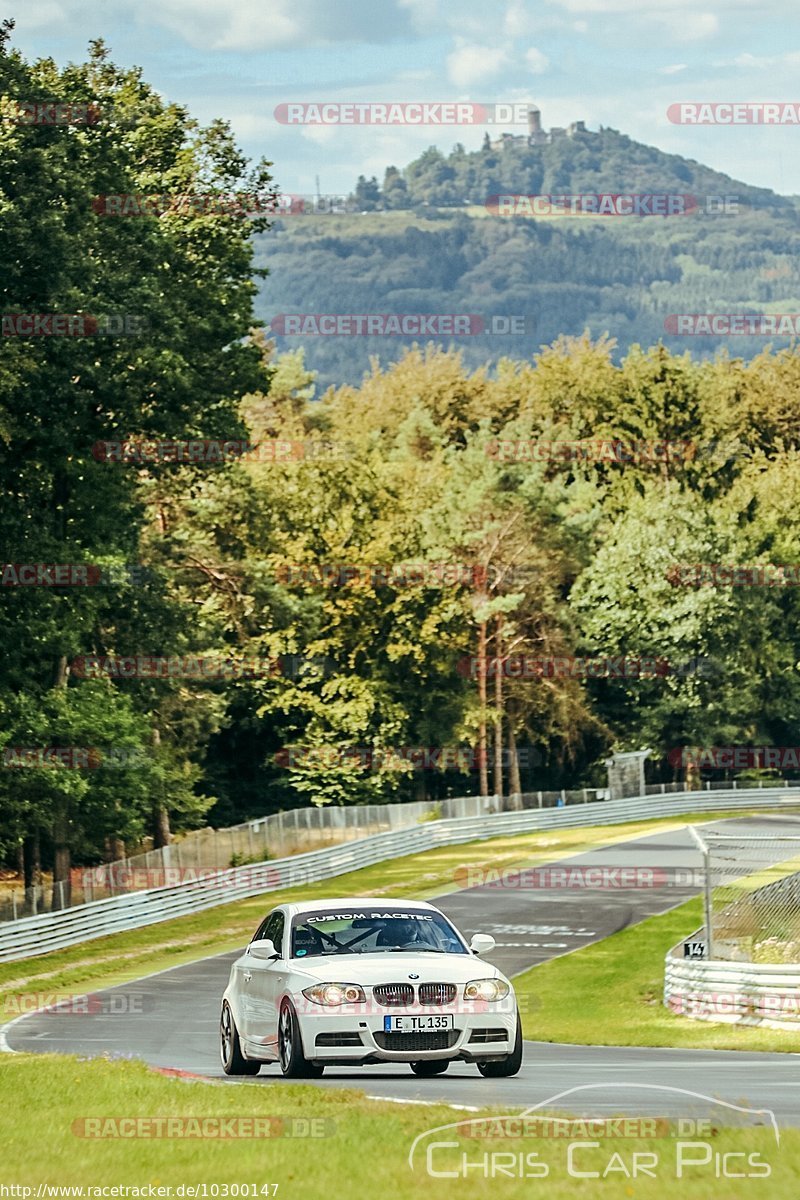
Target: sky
[[618, 63]]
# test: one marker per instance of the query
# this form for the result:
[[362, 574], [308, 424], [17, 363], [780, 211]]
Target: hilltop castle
[[536, 136]]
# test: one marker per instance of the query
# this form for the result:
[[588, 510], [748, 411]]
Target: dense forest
[[330, 555], [426, 242]]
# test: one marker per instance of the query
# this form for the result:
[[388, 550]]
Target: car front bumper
[[347, 1036]]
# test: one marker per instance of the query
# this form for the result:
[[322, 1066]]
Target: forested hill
[[423, 241], [607, 161]]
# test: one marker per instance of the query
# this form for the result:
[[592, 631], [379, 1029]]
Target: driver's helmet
[[398, 933]]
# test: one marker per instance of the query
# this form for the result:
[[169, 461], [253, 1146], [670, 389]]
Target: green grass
[[127, 956], [364, 1155], [615, 989]]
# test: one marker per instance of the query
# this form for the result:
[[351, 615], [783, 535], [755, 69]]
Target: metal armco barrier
[[738, 993], [53, 931]]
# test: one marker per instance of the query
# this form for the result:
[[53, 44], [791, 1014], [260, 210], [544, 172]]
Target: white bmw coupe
[[357, 982]]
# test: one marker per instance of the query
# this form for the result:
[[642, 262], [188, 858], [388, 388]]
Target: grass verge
[[364, 1155]]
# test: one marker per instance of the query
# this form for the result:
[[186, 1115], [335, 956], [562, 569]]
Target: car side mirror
[[263, 948], [482, 943]]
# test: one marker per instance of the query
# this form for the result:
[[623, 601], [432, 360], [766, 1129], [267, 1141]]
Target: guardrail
[[740, 993], [53, 931], [735, 990]]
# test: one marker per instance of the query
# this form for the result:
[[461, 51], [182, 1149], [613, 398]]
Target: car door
[[264, 987], [243, 972]]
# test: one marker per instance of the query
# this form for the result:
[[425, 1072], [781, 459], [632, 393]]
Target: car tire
[[294, 1064], [233, 1061], [501, 1068], [432, 1067]]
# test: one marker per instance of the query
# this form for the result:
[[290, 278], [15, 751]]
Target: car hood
[[371, 969]]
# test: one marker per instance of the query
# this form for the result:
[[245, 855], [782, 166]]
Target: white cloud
[[537, 61], [790, 59], [44, 15], [520, 21], [470, 64], [673, 69], [248, 25], [688, 26], [668, 7]]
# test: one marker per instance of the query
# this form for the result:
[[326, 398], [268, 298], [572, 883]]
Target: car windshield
[[373, 931]]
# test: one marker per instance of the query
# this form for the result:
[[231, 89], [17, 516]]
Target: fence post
[[13, 906], [707, 904], [540, 799], [34, 901]]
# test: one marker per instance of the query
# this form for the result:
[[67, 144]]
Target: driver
[[398, 933]]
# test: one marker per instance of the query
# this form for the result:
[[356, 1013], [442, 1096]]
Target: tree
[[185, 279]]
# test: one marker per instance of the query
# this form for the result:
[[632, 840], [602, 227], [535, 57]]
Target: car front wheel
[[294, 1064], [233, 1062], [501, 1068]]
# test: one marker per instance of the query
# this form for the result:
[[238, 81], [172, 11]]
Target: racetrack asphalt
[[170, 1019]]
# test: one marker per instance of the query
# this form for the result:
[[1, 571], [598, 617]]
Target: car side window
[[259, 933], [273, 929]]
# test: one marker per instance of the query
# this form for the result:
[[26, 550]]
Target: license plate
[[429, 1023]]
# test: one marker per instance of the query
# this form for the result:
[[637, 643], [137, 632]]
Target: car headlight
[[335, 993], [486, 989]]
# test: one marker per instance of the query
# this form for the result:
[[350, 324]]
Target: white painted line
[[427, 1103]]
